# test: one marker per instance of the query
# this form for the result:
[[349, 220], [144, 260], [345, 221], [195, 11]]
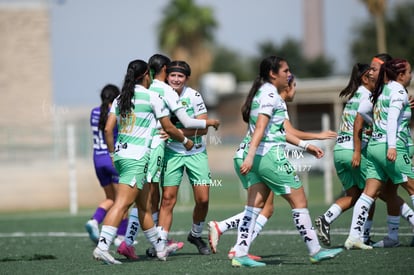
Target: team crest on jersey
[[271, 95], [401, 92]]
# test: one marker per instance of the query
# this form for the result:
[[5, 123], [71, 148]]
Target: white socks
[[108, 234], [360, 215], [133, 227], [245, 230], [303, 223], [332, 213]]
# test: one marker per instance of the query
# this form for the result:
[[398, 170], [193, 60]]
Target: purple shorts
[[104, 169]]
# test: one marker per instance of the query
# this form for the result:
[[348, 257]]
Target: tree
[[291, 50], [185, 33], [227, 60], [399, 25], [377, 9]]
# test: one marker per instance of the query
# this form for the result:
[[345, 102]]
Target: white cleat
[[169, 248], [353, 242], [104, 256]]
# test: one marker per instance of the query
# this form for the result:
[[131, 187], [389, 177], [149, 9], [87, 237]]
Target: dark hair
[[358, 71], [108, 94], [135, 74], [390, 69], [179, 66], [383, 56], [271, 63], [156, 62]]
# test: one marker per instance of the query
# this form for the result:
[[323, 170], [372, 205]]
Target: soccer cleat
[[322, 229], [169, 248], [387, 242], [200, 244], [92, 228], [127, 251], [214, 234], [151, 252], [232, 254], [369, 241], [180, 245], [245, 261], [325, 254], [353, 242], [118, 240], [104, 256]]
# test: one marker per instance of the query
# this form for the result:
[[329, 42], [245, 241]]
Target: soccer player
[[158, 65], [104, 169], [388, 154], [350, 161], [217, 228], [135, 113], [194, 162], [265, 112]]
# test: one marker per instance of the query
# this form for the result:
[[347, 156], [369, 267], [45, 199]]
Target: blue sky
[[94, 40]]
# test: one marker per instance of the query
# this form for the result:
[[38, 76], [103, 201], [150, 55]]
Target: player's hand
[[189, 145], [315, 150], [392, 154], [163, 134]]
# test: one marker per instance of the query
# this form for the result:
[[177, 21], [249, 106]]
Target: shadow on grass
[[25, 258]]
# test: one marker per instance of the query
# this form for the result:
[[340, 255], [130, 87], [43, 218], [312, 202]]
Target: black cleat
[[202, 247]]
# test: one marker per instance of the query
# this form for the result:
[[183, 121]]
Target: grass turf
[[56, 243]]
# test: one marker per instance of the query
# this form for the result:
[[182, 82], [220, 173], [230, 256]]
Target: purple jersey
[[104, 168]]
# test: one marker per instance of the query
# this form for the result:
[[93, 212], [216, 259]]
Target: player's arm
[[109, 132]]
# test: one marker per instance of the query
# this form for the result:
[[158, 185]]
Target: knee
[[168, 200], [203, 203]]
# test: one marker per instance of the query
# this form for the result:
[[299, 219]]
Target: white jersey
[[135, 130], [392, 115], [267, 101], [345, 137], [193, 103]]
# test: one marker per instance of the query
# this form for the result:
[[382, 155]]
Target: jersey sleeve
[[114, 107], [398, 101], [365, 110], [267, 104], [189, 122], [172, 100], [158, 106], [198, 103]]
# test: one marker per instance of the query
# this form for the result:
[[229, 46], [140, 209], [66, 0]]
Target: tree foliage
[[185, 32], [399, 26], [291, 50]]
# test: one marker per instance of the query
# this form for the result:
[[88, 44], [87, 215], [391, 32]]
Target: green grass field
[[56, 243]]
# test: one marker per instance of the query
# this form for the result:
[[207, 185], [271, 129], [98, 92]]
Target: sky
[[93, 41]]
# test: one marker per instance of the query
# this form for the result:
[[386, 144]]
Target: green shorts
[[237, 162], [274, 170], [378, 167], [155, 163], [348, 175], [410, 150], [131, 171], [196, 166]]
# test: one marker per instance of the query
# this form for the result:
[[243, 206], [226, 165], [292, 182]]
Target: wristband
[[303, 144], [111, 154], [185, 140]]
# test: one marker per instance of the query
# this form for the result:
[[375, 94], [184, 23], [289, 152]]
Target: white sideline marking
[[174, 233]]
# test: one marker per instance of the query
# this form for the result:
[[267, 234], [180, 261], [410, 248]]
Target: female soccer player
[[265, 112], [135, 113]]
